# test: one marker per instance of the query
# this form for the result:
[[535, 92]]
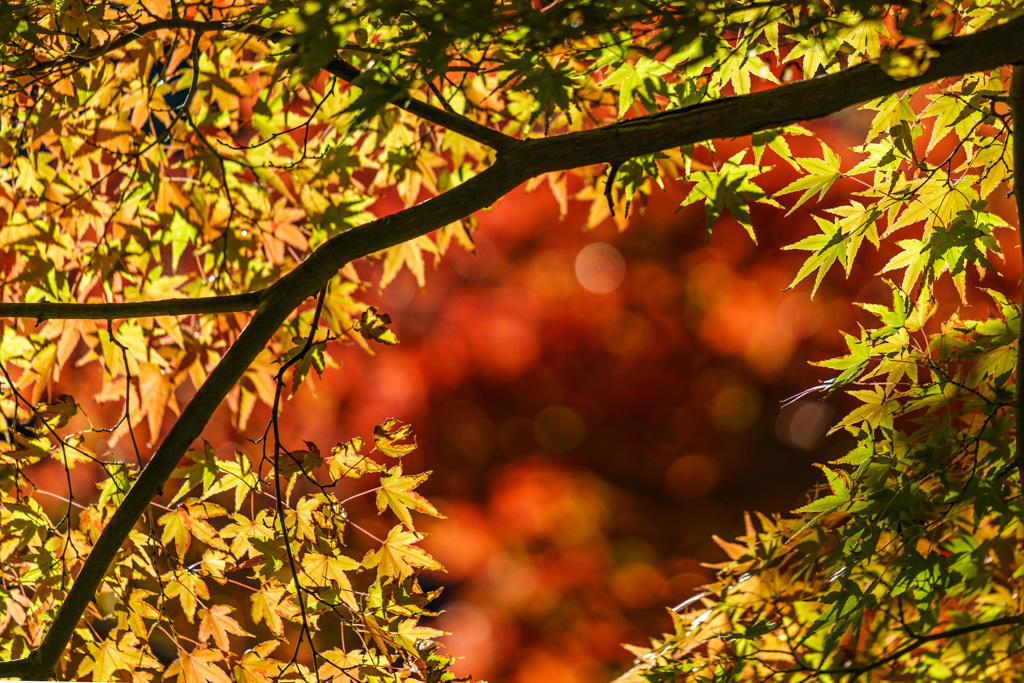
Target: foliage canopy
[[183, 190]]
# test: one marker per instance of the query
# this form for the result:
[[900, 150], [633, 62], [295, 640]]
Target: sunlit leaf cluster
[[185, 189], [172, 594], [905, 565]]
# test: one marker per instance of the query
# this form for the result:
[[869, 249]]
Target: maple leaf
[[216, 622], [339, 663], [266, 607], [398, 556], [323, 569], [188, 521], [396, 492], [59, 413], [827, 247], [243, 530], [139, 610], [198, 666], [305, 519], [255, 667], [345, 460], [203, 470], [156, 394], [237, 476], [386, 438], [189, 588], [409, 254], [409, 632], [639, 82], [877, 410], [374, 326], [109, 657], [729, 188], [819, 177]]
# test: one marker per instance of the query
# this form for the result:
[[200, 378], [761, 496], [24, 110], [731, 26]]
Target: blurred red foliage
[[587, 439]]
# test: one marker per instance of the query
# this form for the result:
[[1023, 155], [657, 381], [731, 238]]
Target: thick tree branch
[[515, 164], [746, 114], [230, 303]]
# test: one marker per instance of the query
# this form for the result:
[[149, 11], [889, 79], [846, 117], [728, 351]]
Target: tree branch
[[918, 641], [515, 164], [125, 39], [276, 305], [746, 114], [446, 119], [231, 303]]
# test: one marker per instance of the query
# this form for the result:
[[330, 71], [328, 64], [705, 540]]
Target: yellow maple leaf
[[189, 588], [322, 569], [398, 556], [216, 622], [396, 492], [188, 521], [198, 666], [387, 438], [110, 656], [345, 460], [255, 666], [266, 607]]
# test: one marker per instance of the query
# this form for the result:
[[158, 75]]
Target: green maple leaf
[[645, 78], [728, 189], [237, 476], [819, 177], [877, 410], [202, 471], [825, 249]]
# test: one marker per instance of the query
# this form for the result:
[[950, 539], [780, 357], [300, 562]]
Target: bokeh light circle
[[600, 268]]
